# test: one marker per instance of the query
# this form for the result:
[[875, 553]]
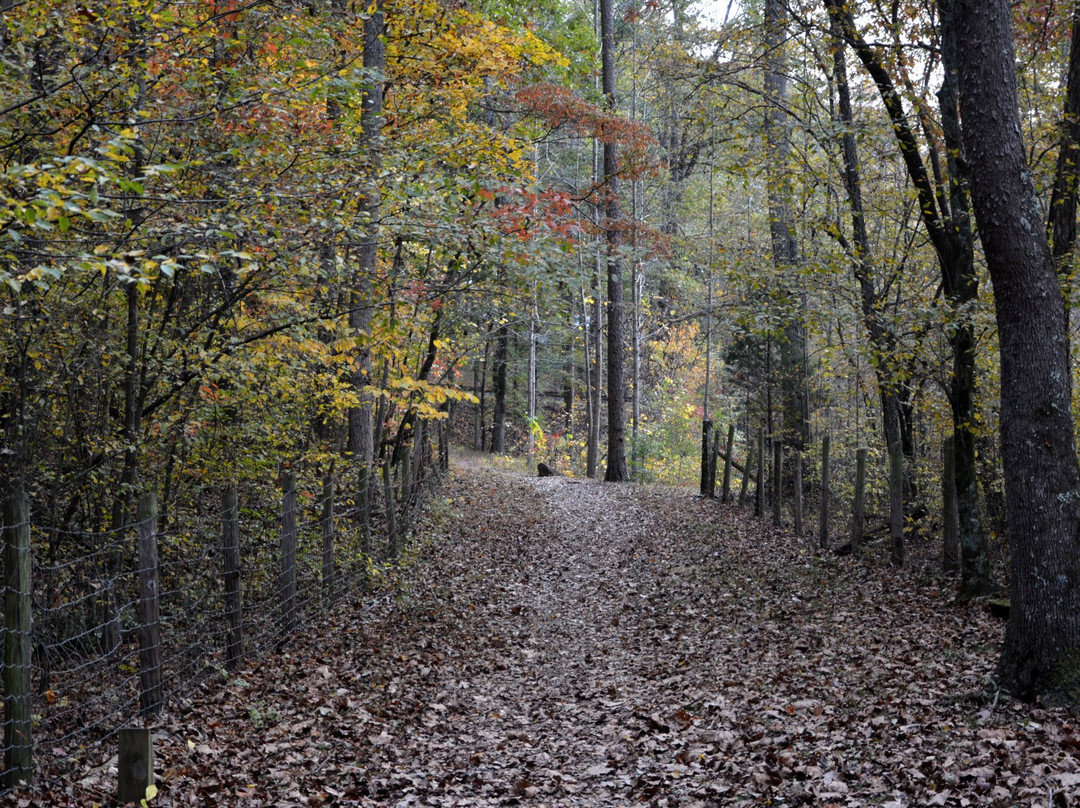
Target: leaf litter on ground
[[561, 642]]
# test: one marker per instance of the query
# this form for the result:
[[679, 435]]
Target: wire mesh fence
[[103, 628]]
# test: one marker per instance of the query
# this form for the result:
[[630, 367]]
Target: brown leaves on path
[[560, 642]]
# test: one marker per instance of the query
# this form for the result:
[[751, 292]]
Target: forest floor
[[561, 642]]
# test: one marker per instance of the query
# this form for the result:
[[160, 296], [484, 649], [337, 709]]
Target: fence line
[[104, 628]]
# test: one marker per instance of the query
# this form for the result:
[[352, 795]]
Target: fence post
[[778, 482], [230, 546], [797, 503], [950, 517], [706, 430], [391, 515], [288, 554], [150, 685], [759, 490], [858, 515], [726, 494], [444, 438], [714, 455], [134, 764], [366, 495], [896, 502], [823, 522], [329, 571], [420, 455], [18, 744], [405, 477], [745, 484]]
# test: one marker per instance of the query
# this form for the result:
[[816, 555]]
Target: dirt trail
[[560, 642]]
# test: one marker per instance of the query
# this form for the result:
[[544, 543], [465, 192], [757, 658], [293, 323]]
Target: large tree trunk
[[1041, 656], [616, 462], [961, 286]]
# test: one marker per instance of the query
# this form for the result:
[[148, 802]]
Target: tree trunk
[[361, 442], [1041, 655], [961, 286], [478, 411], [616, 461], [795, 412], [498, 418], [1061, 224], [534, 327]]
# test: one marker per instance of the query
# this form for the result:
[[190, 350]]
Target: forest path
[[560, 642]]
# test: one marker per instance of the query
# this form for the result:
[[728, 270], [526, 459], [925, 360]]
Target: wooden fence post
[[18, 720], [714, 456], [329, 568], [420, 455], [405, 477], [230, 552], [745, 484], [366, 495], [858, 514], [289, 540], [150, 683], [726, 493], [797, 503], [777, 482], [444, 437], [823, 521], [896, 502], [759, 490], [706, 431], [391, 516], [950, 516], [134, 764]]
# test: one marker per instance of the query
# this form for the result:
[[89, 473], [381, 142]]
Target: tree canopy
[[242, 237]]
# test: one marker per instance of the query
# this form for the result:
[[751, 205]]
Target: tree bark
[[1041, 654], [616, 461], [961, 286]]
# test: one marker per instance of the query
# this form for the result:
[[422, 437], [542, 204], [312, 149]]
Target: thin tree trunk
[[531, 404], [361, 441], [616, 470], [785, 248], [823, 514], [1061, 223], [882, 341], [498, 418], [478, 410]]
